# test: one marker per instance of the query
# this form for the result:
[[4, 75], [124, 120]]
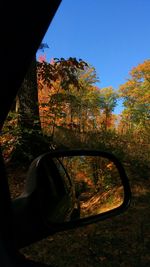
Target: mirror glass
[[91, 185]]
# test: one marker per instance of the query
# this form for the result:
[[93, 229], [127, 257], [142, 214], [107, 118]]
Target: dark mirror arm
[[24, 24]]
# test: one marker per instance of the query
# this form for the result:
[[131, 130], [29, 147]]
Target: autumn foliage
[[75, 113]]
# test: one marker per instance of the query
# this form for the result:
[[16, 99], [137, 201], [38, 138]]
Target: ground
[[122, 241]]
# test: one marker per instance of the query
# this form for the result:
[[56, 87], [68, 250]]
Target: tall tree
[[108, 98], [31, 135], [77, 105], [27, 100], [136, 95]]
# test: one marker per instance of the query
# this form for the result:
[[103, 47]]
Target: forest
[[59, 105]]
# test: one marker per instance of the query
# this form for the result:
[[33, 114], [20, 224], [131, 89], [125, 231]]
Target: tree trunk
[[31, 142], [28, 101]]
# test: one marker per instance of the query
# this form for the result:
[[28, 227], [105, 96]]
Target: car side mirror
[[78, 187]]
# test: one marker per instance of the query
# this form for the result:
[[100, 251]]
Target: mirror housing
[[51, 193], [55, 182]]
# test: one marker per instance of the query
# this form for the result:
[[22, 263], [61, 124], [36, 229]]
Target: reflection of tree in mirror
[[97, 183]]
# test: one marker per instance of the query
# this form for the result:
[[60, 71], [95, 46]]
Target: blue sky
[[111, 35]]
